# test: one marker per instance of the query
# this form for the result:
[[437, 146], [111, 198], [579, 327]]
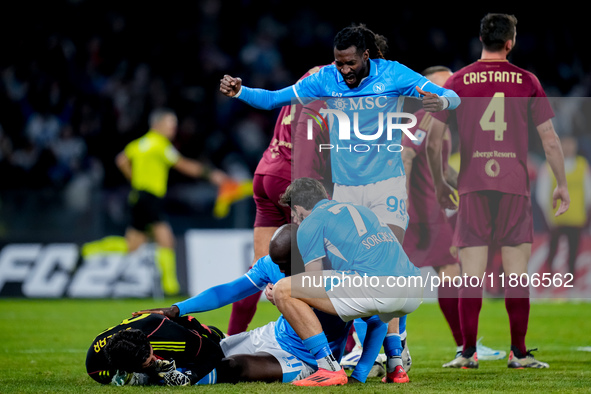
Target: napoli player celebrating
[[493, 181], [357, 246], [271, 177], [359, 71], [362, 85]]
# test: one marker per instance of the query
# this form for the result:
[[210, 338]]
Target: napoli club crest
[[379, 88]]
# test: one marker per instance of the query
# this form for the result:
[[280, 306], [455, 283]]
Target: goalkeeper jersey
[[189, 343]]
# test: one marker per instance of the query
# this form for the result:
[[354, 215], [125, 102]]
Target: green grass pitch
[[43, 346]]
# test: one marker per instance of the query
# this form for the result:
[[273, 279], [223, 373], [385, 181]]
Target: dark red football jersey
[[277, 157], [499, 101], [423, 206]]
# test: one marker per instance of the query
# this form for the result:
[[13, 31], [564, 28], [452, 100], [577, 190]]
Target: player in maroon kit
[[495, 206], [428, 238], [272, 175]]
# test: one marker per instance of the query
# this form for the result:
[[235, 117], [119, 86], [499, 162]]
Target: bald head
[[281, 252]]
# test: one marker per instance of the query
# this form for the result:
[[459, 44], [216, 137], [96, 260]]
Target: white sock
[[392, 362], [329, 363]]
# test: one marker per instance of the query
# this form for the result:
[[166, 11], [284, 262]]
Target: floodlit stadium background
[[78, 79]]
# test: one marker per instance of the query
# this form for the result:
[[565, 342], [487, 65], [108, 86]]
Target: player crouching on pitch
[[356, 244], [272, 353]]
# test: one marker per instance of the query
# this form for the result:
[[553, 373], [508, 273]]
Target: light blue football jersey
[[367, 155], [352, 238], [266, 271]]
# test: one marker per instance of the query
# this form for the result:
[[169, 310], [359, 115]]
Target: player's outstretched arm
[[212, 298], [170, 312], [257, 98], [230, 86], [197, 169], [435, 102]]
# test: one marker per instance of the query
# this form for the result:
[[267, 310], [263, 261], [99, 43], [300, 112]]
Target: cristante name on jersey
[[493, 76]]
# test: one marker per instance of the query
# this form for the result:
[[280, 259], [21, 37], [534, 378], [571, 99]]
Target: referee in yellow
[[146, 162]]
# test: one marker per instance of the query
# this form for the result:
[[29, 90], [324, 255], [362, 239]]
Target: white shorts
[[263, 339], [354, 295], [386, 198]]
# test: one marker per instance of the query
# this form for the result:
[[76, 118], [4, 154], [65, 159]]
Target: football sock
[[360, 329], [402, 327], [470, 303], [242, 313], [393, 349], [210, 378], [449, 305], [166, 263], [517, 305], [320, 349]]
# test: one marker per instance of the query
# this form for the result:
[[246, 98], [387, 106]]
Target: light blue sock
[[320, 349], [393, 349], [402, 324], [317, 345], [360, 329], [210, 378], [392, 345]]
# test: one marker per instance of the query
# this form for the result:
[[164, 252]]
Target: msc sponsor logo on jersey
[[343, 109]]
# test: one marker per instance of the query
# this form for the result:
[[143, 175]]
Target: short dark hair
[[305, 192], [283, 250], [127, 350], [359, 36], [496, 30]]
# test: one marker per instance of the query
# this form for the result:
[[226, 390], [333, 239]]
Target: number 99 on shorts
[[394, 204]]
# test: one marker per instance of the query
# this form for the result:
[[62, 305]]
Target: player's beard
[[353, 79]]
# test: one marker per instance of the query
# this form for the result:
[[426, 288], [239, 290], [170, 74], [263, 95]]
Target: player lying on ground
[[148, 349], [286, 357]]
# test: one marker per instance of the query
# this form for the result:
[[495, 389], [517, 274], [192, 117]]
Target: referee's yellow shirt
[[576, 216], [151, 157]]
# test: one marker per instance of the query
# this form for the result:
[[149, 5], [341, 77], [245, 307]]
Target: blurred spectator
[[83, 75], [69, 151]]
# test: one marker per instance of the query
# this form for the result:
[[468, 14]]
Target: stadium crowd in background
[[79, 78]]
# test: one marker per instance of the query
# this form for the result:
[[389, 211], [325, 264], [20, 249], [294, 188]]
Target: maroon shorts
[[493, 218], [427, 244], [267, 191]]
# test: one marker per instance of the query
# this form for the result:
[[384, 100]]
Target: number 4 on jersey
[[493, 118]]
